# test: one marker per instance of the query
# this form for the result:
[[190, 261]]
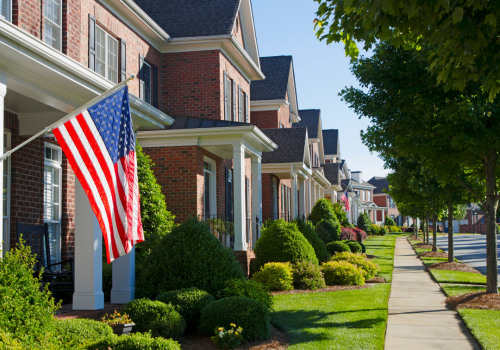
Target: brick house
[[383, 199]]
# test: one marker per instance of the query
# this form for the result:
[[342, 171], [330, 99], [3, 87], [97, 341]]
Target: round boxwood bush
[[354, 246], [155, 316], [136, 341], [342, 273], [328, 230], [337, 247], [307, 275], [250, 289], [322, 210], [368, 267], [246, 313], [317, 243], [275, 276], [283, 242], [188, 302], [74, 333], [190, 256]]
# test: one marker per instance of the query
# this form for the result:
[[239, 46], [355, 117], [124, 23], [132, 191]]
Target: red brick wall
[[27, 15], [267, 196], [245, 259], [264, 119], [71, 28], [68, 211]]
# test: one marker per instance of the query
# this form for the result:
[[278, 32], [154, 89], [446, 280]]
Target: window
[[363, 195], [229, 99], [209, 200], [106, 55], [146, 82], [52, 23], [391, 203], [369, 195], [5, 9], [52, 178], [6, 195]]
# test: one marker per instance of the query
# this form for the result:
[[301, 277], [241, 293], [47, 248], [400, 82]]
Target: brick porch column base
[[245, 258]]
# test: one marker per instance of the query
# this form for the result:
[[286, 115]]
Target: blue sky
[[285, 27]]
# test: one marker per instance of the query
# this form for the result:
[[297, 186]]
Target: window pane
[[100, 51], [112, 59], [3, 9]]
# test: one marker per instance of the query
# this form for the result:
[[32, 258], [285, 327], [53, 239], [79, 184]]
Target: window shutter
[[154, 72], [247, 109], [235, 116], [91, 42], [226, 111], [240, 104], [123, 60], [141, 82]]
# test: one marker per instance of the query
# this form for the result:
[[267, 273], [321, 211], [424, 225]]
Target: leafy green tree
[[363, 222], [389, 221], [322, 210], [341, 215]]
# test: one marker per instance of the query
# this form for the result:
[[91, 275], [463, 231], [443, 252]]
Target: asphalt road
[[470, 249]]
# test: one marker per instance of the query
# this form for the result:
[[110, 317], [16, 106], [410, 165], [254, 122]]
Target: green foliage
[[228, 339], [328, 231], [74, 333], [341, 215], [319, 246], [394, 229], [159, 318], [375, 229], [363, 222], [342, 273], [250, 289], [322, 210], [135, 341], [26, 310], [247, 313], [368, 267], [190, 256], [383, 231], [354, 246], [275, 276], [283, 242], [188, 302], [389, 221], [307, 275], [337, 247]]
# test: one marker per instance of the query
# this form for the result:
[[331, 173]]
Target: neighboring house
[[383, 199], [364, 197], [331, 146], [333, 166]]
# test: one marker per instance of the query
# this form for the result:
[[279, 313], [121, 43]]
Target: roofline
[[272, 105]]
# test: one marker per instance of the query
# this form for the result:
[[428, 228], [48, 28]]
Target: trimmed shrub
[[389, 221], [74, 333], [155, 316], [395, 229], [275, 276], [250, 289], [322, 210], [136, 341], [190, 256], [328, 231], [363, 222], [383, 231], [188, 302], [348, 234], [369, 268], [318, 244], [342, 273], [354, 246], [363, 248], [282, 242], [26, 310], [360, 235], [337, 247], [306, 275], [246, 313], [375, 229], [340, 214]]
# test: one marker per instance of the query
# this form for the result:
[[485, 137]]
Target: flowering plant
[[116, 318], [228, 339]]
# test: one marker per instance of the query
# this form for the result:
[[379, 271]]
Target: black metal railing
[[221, 228], [288, 217]]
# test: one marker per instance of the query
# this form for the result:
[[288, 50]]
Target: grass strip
[[353, 319], [457, 289], [484, 326], [383, 248], [431, 260], [447, 276]]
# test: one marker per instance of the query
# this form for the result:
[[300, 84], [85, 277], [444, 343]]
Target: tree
[[463, 35]]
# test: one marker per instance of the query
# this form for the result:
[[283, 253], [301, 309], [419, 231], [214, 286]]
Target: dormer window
[[5, 9]]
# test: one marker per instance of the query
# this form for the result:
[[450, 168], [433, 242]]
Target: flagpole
[[68, 116]]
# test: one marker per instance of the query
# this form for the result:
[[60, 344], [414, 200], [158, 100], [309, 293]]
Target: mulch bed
[[475, 300], [453, 266], [423, 245], [377, 279], [433, 255]]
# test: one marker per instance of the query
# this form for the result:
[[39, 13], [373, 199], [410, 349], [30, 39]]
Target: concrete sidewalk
[[418, 317]]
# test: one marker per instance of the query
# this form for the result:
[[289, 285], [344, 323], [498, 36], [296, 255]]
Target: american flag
[[100, 146], [345, 199]]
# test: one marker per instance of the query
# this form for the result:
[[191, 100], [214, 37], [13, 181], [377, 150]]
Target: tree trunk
[[434, 233], [451, 253], [427, 229], [490, 208], [415, 229]]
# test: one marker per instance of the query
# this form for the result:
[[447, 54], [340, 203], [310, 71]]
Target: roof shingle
[[332, 172], [380, 183], [331, 141], [274, 86], [291, 145], [309, 118]]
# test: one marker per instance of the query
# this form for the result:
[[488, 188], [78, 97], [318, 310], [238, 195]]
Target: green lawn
[[354, 319], [456, 289], [484, 324], [446, 276], [383, 248], [431, 260]]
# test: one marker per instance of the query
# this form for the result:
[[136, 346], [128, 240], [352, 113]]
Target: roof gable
[[331, 142], [310, 119], [380, 183], [332, 172], [292, 146]]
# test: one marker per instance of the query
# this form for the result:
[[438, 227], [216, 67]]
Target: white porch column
[[123, 289], [3, 92], [302, 198], [256, 194], [383, 216], [240, 242], [295, 200], [88, 255]]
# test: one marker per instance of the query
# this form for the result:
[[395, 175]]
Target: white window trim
[[59, 25], [108, 36], [149, 84], [8, 14], [56, 164], [213, 187], [5, 245]]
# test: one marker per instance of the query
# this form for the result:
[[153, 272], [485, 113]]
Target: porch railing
[[221, 228], [288, 217]]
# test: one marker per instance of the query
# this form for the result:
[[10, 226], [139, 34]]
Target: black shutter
[[123, 60], [141, 82], [91, 42], [229, 195], [154, 72]]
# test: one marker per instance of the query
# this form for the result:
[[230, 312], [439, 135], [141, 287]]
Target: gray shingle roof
[[331, 141], [291, 145], [196, 123], [189, 18], [332, 172], [380, 183], [309, 118], [273, 87]]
